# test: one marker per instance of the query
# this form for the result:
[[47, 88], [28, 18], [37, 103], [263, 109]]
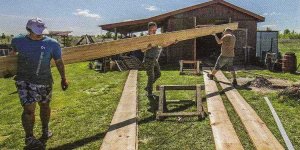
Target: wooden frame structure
[[162, 105], [196, 64]]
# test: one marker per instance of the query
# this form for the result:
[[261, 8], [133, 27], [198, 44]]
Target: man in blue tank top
[[34, 79]]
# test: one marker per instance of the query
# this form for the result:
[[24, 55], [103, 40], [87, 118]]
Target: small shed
[[267, 41], [212, 12]]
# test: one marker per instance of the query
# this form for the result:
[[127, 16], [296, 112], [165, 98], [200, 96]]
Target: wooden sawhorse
[[162, 104], [196, 64]]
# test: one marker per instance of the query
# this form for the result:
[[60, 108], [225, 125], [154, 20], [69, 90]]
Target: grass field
[[192, 134], [171, 134], [80, 116], [290, 46], [288, 111]]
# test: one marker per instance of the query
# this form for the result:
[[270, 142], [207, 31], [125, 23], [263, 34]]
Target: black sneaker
[[234, 82], [210, 76], [33, 143]]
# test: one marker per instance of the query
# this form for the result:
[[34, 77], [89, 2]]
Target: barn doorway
[[207, 48]]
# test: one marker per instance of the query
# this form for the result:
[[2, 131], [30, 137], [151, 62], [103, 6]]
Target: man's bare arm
[[217, 39], [61, 68]]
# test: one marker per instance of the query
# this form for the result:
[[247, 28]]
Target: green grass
[[171, 134], [80, 116], [268, 74], [288, 112], [290, 46]]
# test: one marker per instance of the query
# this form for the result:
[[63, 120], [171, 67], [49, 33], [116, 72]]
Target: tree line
[[288, 34]]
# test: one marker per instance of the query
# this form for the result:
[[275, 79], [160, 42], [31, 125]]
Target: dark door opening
[[207, 48]]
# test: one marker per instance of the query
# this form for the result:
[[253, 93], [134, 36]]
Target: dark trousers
[[153, 72]]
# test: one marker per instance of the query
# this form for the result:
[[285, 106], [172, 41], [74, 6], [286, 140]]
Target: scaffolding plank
[[122, 133], [98, 50], [261, 136], [224, 134]]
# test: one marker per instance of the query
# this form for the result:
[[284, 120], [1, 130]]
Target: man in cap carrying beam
[[34, 79], [227, 54], [151, 56]]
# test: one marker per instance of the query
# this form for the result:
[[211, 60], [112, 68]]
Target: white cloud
[[86, 13], [151, 8], [272, 14], [269, 26], [265, 14], [127, 20]]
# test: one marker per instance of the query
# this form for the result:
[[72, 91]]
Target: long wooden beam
[[261, 136], [224, 134], [122, 133], [97, 50]]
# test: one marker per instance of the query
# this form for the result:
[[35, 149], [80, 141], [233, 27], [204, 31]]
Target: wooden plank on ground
[[98, 50], [224, 134], [122, 133], [261, 136]]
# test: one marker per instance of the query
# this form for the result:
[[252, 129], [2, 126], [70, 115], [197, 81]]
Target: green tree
[[108, 35], [286, 31], [3, 36]]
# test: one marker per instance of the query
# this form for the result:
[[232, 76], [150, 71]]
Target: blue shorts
[[224, 61], [31, 93]]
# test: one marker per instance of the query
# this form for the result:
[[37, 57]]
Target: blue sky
[[84, 16]]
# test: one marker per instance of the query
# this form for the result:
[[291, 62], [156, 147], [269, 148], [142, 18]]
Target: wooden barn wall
[[217, 13], [183, 49]]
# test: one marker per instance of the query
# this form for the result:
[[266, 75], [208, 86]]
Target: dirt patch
[[263, 85], [292, 92], [261, 82]]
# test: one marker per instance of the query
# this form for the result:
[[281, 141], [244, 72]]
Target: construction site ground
[[82, 115]]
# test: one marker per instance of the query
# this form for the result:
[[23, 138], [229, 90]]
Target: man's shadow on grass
[[96, 137]]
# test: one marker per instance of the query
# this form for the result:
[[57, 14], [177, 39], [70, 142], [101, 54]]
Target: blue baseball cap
[[37, 26]]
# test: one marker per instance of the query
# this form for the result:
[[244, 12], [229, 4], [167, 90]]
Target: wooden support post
[[116, 34], [161, 102], [181, 66], [196, 69], [195, 40], [199, 102]]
